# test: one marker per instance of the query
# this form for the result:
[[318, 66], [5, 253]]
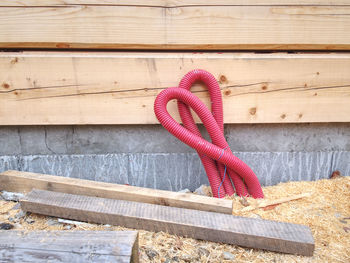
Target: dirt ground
[[326, 211]]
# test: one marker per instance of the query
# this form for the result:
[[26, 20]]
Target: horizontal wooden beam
[[69, 246], [43, 88], [247, 232], [173, 3], [16, 181], [163, 24]]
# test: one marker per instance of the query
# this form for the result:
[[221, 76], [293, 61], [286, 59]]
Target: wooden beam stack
[[46, 87]]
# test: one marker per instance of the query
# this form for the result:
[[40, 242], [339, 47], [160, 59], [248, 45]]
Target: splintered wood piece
[[17, 181], [263, 203], [67, 246], [246, 232]]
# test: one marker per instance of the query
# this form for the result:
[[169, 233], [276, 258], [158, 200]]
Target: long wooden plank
[[67, 246], [17, 181], [173, 3], [247, 232], [176, 25], [120, 88]]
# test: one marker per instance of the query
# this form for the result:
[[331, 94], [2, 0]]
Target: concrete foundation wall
[[146, 155]]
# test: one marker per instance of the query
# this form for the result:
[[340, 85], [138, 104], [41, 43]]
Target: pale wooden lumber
[[176, 24], [263, 203], [17, 181], [247, 232], [173, 3], [67, 246], [43, 88]]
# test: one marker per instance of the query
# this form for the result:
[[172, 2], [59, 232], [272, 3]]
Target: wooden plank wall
[[166, 24], [43, 88], [120, 88]]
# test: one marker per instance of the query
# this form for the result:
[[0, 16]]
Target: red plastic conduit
[[215, 156]]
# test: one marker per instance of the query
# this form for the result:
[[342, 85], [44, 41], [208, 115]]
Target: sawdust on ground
[[326, 211]]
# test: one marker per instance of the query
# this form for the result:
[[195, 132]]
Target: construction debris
[[203, 190], [73, 222], [335, 174], [10, 196], [244, 201], [6, 226], [269, 203], [329, 202], [185, 191], [228, 256], [25, 182]]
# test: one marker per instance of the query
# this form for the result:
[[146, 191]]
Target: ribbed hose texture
[[217, 154]]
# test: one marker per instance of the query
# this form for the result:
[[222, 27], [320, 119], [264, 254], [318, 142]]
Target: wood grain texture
[[247, 232], [173, 3], [16, 181], [67, 246], [120, 88], [263, 203], [176, 24]]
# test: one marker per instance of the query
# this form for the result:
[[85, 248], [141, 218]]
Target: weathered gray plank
[[247, 232], [64, 246]]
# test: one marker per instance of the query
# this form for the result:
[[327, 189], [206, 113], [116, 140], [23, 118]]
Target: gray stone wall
[[147, 155]]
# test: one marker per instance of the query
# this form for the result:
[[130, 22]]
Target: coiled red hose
[[215, 156]]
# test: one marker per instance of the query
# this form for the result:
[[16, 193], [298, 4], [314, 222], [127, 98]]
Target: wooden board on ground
[[43, 88], [67, 246], [247, 232], [165, 24], [264, 204], [16, 181]]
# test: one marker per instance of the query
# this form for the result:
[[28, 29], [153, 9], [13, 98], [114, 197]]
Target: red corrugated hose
[[221, 166]]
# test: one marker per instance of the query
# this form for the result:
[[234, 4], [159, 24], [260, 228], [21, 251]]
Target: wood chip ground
[[326, 212]]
